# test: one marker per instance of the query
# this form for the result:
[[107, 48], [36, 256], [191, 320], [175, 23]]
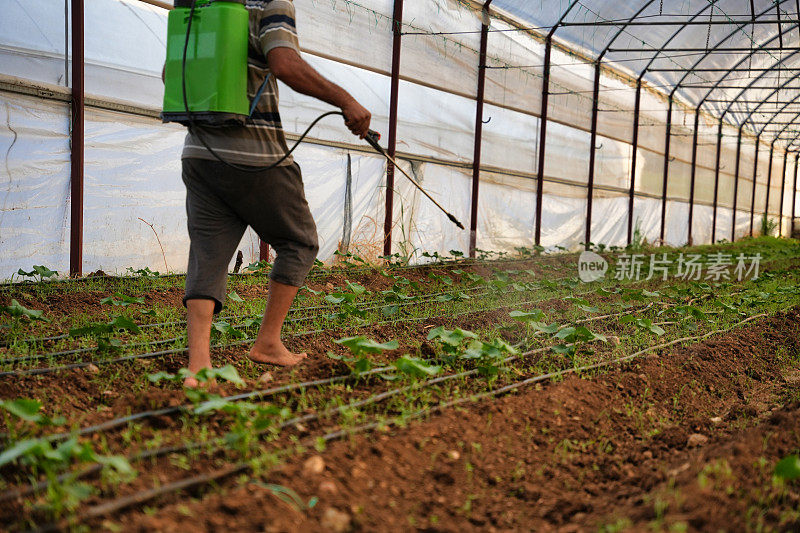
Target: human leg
[[268, 347], [214, 232]]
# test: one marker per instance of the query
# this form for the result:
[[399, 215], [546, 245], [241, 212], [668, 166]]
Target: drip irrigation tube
[[192, 481], [293, 310], [111, 424], [148, 454], [98, 362]]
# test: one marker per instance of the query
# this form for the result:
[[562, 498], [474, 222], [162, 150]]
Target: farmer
[[222, 201]]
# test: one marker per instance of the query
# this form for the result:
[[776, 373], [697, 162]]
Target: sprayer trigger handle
[[372, 138]]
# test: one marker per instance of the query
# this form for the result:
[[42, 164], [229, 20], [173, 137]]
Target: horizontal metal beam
[[710, 85], [727, 22], [738, 50], [724, 101], [742, 69]]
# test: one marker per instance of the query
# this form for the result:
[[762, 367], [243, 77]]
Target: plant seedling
[[17, 312], [643, 323], [360, 347], [416, 367], [38, 270], [788, 468], [121, 300], [220, 327]]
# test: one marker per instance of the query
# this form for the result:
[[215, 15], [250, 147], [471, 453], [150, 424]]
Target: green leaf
[[355, 287], [24, 408], [361, 345], [214, 404], [414, 366], [117, 462], [228, 373], [161, 375], [362, 365], [148, 312], [234, 297], [544, 328], [389, 310], [17, 310], [20, 449], [563, 333], [124, 323], [788, 468], [527, 316]]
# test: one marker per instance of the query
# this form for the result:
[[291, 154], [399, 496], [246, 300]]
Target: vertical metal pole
[[592, 150], [76, 144], [694, 174], [794, 196], [66, 43], [716, 185], [548, 44], [736, 183], [397, 22], [666, 173], [753, 195], [635, 144], [783, 186], [769, 180], [476, 155]]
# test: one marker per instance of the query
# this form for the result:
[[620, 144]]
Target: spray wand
[[372, 138]]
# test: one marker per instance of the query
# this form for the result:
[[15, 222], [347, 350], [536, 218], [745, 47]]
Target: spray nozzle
[[372, 137]]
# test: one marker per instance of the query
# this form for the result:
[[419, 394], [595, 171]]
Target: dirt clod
[[696, 439], [335, 520], [314, 465]]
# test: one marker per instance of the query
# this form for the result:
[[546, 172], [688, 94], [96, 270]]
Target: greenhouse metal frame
[[723, 86]]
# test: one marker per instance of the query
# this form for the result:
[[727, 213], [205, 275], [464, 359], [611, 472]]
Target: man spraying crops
[[222, 200]]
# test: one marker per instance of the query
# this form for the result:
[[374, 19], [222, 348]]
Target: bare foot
[[274, 354], [191, 382]]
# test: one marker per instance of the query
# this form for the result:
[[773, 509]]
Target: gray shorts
[[221, 202]]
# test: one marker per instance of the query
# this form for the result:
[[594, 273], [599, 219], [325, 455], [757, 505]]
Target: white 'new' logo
[[591, 266]]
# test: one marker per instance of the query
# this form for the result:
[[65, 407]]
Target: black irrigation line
[[46, 355], [292, 310], [98, 362], [186, 408], [314, 274], [237, 343], [399, 305], [148, 355], [220, 441], [297, 420], [203, 479]]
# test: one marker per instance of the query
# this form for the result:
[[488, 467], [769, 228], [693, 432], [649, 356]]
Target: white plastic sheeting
[[133, 169]]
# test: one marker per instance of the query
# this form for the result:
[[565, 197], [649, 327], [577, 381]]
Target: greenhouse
[[656, 119], [554, 284]]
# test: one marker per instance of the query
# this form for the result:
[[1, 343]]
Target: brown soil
[[619, 448]]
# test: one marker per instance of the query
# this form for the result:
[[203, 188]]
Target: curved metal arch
[[774, 91], [774, 115], [719, 44], [561, 19], [622, 28], [754, 80], [669, 40], [778, 136]]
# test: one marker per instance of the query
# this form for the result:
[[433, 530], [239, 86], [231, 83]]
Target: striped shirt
[[260, 142]]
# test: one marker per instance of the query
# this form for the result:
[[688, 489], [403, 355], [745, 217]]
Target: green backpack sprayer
[[205, 76]]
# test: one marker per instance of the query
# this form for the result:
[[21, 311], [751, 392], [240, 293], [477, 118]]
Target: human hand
[[356, 118]]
